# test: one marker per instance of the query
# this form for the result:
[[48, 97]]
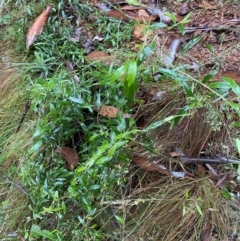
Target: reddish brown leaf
[[131, 7], [101, 56], [69, 65], [109, 111], [130, 15], [37, 26], [140, 32], [143, 13], [144, 163], [207, 5], [233, 75], [69, 155], [201, 170], [205, 236]]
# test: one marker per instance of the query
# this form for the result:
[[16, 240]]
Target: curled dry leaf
[[111, 112], [69, 155], [145, 164], [37, 26], [104, 58], [207, 5], [140, 32], [131, 7], [143, 13]]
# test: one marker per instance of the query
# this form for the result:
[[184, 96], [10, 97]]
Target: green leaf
[[187, 89], [53, 112], [235, 106], [168, 72], [102, 160], [126, 135], [181, 113], [157, 124], [115, 147], [235, 124], [76, 100], [182, 29], [234, 86], [132, 73], [171, 16], [186, 18], [158, 25], [39, 131], [209, 76], [210, 47], [199, 209], [223, 86], [35, 229], [238, 145], [119, 219], [36, 147], [190, 44], [119, 73], [134, 2], [226, 194], [81, 169]]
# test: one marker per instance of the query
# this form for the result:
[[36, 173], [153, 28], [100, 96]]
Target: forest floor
[[119, 120]]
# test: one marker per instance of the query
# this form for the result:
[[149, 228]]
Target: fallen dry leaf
[[207, 5], [104, 58], [37, 26], [145, 164], [69, 155], [143, 13], [230, 74], [128, 15], [201, 171], [69, 65], [131, 7], [140, 32], [221, 181], [109, 111]]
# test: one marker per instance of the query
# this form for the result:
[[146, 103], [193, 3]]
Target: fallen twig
[[220, 160], [223, 26]]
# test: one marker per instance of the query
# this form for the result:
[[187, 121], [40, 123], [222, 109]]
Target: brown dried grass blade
[[37, 26]]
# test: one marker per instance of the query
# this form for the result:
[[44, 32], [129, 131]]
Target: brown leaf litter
[[69, 155], [37, 26]]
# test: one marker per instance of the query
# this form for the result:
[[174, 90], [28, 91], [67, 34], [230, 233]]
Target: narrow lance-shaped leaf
[[235, 87], [37, 26], [132, 72], [190, 44]]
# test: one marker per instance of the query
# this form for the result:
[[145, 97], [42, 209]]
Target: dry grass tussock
[[163, 208], [168, 209], [205, 130], [13, 145]]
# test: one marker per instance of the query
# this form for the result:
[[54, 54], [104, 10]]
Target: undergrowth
[[43, 107]]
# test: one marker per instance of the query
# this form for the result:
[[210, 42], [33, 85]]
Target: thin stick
[[220, 160]]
